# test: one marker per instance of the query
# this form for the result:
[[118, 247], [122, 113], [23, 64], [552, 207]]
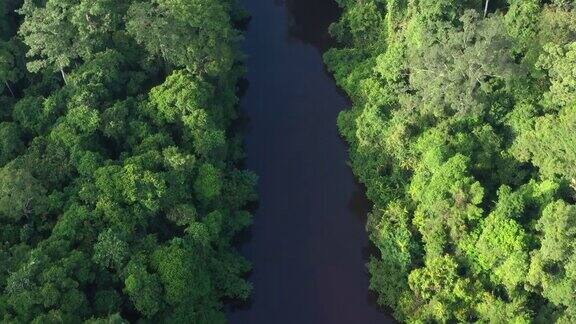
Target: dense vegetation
[[119, 187], [463, 129]]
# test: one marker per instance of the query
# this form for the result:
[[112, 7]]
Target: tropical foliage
[[120, 191], [463, 129]]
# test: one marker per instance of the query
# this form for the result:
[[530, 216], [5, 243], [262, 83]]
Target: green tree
[[21, 195], [553, 265], [144, 289], [454, 73], [9, 72], [440, 294], [11, 144], [110, 251], [548, 144], [50, 36], [194, 34]]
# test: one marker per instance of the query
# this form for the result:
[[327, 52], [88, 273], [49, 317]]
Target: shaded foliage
[[120, 191]]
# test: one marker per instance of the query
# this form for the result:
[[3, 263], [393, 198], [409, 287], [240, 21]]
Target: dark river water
[[308, 243]]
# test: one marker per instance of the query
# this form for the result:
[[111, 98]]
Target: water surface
[[308, 243]]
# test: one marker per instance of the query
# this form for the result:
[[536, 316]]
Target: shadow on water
[[359, 205], [308, 243], [310, 20]]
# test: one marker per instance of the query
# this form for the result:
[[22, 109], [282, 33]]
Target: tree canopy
[[462, 128], [120, 185]]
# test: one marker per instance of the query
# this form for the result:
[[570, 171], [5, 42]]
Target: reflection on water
[[309, 21]]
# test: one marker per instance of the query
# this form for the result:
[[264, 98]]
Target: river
[[308, 243]]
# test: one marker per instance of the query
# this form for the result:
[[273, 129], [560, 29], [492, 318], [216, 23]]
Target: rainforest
[[120, 189], [287, 161], [463, 130]]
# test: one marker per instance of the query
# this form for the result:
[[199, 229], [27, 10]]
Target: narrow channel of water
[[308, 243]]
